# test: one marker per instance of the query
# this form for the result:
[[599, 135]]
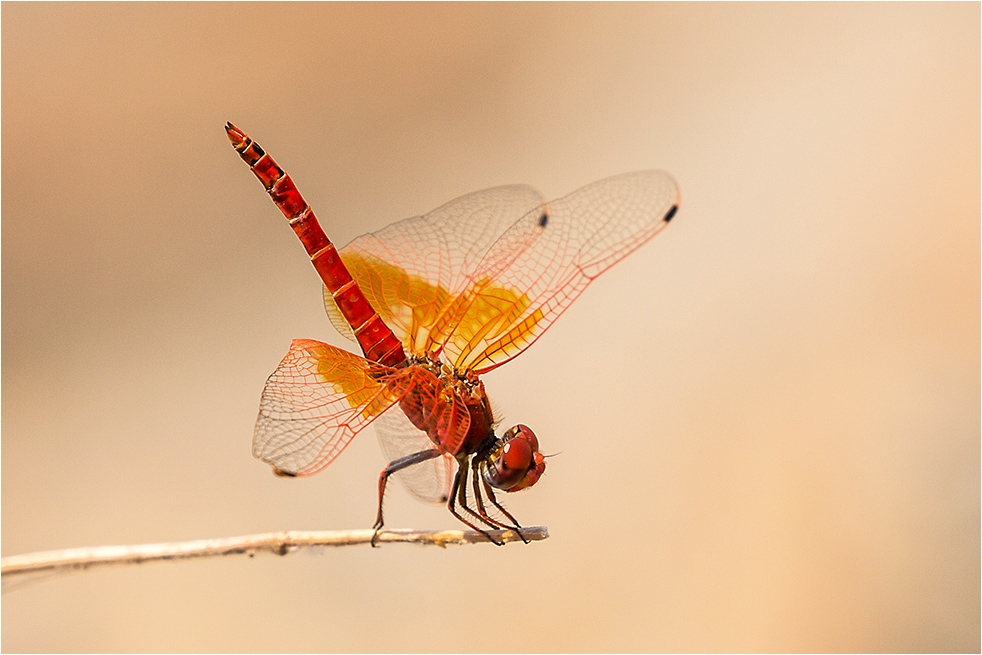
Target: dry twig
[[277, 543]]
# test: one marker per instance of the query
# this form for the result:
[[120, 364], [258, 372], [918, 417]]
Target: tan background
[[768, 417]]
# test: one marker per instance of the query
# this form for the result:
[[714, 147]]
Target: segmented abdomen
[[376, 339]]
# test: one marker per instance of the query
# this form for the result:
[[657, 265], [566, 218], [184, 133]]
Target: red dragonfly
[[434, 302]]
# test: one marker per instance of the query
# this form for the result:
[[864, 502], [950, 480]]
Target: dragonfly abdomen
[[376, 339]]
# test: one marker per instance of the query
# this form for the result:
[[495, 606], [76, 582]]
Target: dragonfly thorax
[[449, 405], [511, 462]]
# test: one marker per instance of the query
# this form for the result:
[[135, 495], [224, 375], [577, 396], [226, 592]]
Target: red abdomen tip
[[235, 135]]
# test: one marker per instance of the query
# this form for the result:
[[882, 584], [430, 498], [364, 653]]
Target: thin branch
[[277, 543]]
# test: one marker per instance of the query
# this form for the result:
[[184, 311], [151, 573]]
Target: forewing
[[430, 480], [544, 261], [316, 400], [414, 271]]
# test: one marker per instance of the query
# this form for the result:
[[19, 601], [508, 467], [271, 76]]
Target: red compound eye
[[517, 455], [517, 463]]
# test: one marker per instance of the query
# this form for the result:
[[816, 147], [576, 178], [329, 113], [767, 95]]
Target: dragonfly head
[[515, 463]]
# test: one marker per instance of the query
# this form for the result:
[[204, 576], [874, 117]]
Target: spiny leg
[[460, 488], [394, 467], [516, 526], [481, 515], [476, 482]]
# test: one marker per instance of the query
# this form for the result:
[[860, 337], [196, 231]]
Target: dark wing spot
[[543, 219], [284, 474], [671, 213]]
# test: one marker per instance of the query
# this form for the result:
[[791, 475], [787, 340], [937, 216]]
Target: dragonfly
[[435, 302]]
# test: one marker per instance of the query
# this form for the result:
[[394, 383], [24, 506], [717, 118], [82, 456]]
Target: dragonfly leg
[[394, 467], [494, 501], [477, 480], [459, 494], [480, 515]]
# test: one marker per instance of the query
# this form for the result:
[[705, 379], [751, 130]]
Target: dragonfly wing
[[316, 400], [414, 270], [429, 481], [544, 261]]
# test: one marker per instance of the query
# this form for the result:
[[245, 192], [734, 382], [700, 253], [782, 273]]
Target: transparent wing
[[413, 271], [316, 400], [320, 397], [429, 481], [544, 261]]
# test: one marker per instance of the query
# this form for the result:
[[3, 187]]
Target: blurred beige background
[[768, 417]]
